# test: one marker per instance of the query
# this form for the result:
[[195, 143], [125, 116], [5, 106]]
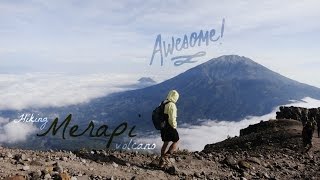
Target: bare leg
[[163, 152], [164, 148], [173, 147]]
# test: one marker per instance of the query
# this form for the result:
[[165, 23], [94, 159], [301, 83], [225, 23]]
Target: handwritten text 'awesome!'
[[163, 49]]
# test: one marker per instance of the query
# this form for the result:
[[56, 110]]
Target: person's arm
[[172, 113]]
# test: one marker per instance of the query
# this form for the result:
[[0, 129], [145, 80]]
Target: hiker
[[318, 122], [307, 133], [169, 133], [304, 116]]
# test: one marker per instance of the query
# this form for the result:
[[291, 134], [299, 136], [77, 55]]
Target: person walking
[[307, 133], [318, 121], [169, 133]]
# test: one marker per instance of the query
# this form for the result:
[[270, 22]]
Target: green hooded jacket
[[171, 108]]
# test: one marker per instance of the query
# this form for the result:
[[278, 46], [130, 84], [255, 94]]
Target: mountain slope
[[225, 88], [229, 87]]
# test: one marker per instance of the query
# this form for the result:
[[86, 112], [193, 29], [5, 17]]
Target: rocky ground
[[271, 152]]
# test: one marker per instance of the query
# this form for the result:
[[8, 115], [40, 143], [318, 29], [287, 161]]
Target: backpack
[[158, 117]]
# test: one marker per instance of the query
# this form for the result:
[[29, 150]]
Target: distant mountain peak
[[232, 67], [232, 59], [147, 80]]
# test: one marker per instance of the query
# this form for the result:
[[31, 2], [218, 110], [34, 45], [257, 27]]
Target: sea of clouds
[[19, 91]]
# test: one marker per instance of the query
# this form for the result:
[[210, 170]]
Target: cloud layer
[[35, 90], [12, 132]]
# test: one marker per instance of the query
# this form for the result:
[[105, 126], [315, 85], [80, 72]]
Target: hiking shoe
[[164, 161], [161, 163], [167, 160]]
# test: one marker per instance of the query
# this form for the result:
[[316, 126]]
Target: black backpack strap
[[166, 102]]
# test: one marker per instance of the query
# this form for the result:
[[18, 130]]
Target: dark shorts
[[169, 134]]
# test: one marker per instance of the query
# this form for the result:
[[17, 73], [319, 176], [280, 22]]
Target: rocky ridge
[[297, 113], [267, 150]]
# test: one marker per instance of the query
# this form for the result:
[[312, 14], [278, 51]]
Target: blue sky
[[118, 36]]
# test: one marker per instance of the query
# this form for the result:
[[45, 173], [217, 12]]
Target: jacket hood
[[173, 96]]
